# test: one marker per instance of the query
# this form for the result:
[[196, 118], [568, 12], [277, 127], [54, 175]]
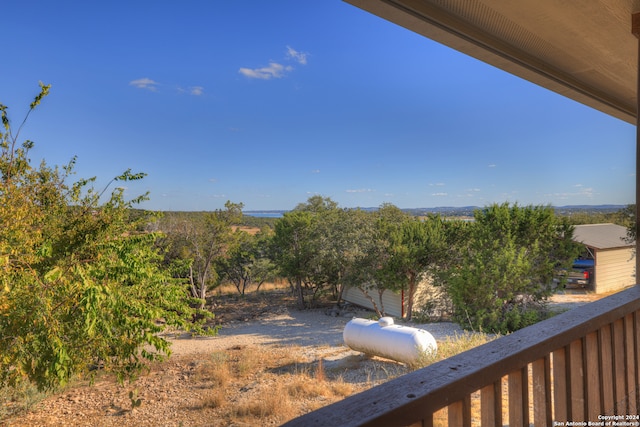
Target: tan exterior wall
[[392, 301], [615, 270]]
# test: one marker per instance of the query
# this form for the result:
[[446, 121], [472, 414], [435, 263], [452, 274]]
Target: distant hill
[[605, 208], [461, 211], [560, 210]]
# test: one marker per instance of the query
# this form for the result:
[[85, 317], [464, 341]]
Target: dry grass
[[217, 370], [283, 387], [320, 376], [18, 399], [213, 399], [252, 384], [245, 384], [269, 403], [454, 345], [275, 386], [230, 289], [261, 385]]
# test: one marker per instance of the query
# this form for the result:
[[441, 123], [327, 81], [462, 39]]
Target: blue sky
[[269, 103]]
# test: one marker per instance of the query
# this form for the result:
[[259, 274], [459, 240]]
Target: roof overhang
[[584, 50]]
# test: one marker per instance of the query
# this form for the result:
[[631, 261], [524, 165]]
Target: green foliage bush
[[80, 286], [500, 275]]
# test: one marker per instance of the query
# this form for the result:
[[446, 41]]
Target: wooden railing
[[579, 366]]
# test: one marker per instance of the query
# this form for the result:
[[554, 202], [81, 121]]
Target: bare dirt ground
[[283, 341]]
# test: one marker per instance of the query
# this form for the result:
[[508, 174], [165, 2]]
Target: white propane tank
[[385, 339]]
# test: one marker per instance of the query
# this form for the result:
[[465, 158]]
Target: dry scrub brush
[[251, 384], [245, 384]]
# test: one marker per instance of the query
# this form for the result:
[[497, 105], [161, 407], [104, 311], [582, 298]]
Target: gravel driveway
[[309, 328]]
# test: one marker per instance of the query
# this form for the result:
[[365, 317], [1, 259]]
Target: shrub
[[500, 277], [80, 286]]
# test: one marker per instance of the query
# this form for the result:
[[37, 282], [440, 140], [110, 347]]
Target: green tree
[[353, 251], [308, 248], [247, 261], [293, 251], [367, 253], [627, 218], [365, 250], [415, 248], [197, 243], [317, 205], [80, 286], [500, 276]]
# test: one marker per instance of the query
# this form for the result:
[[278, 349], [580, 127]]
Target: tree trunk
[[340, 292], [300, 294], [382, 310], [412, 291], [373, 302], [198, 292]]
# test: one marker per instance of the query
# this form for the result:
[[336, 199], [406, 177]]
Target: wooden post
[[635, 28]]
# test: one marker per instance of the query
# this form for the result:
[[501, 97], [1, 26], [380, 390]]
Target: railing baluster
[[459, 413], [576, 384], [606, 370], [466, 419], [541, 378], [519, 398], [560, 393], [630, 364], [491, 405], [593, 380], [454, 414], [618, 366]]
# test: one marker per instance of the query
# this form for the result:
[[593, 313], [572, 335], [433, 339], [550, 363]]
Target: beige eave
[[582, 49]]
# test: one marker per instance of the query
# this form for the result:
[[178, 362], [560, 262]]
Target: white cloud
[[273, 71], [492, 165], [299, 57], [589, 192], [315, 171], [196, 90], [360, 190], [145, 83], [438, 184], [152, 85], [191, 90], [582, 191], [440, 194]]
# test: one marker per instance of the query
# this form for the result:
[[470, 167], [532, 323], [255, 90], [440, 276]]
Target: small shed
[[391, 301], [613, 255], [394, 303]]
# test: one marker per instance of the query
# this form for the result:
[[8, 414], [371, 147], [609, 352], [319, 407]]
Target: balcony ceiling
[[584, 50]]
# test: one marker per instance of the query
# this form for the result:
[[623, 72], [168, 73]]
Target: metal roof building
[[602, 236], [613, 255]]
